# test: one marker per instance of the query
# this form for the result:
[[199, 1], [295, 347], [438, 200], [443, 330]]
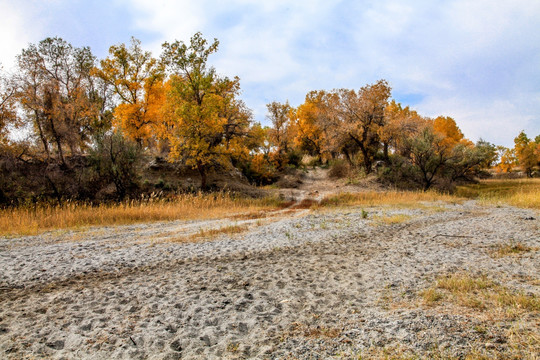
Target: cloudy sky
[[477, 61]]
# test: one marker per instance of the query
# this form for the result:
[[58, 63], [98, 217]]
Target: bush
[[115, 159], [294, 158], [339, 169], [260, 170], [399, 173]]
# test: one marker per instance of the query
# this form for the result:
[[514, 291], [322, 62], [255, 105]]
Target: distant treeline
[[90, 124]]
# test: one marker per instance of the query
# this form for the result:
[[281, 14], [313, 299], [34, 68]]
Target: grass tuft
[[392, 219], [481, 293], [510, 249], [212, 233]]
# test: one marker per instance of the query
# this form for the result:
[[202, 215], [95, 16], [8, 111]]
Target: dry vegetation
[[519, 192], [396, 198], [515, 248], [212, 233], [33, 220], [386, 219], [491, 303], [482, 294]]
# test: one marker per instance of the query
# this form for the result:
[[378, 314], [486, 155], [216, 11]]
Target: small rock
[[243, 328], [56, 345], [176, 346], [171, 329], [206, 340]]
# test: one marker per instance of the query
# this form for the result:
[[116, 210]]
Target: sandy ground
[[295, 284]]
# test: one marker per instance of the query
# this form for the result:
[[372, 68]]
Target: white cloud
[[474, 60], [497, 121], [18, 28]]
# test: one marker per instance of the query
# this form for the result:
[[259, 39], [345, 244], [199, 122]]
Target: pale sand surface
[[298, 284]]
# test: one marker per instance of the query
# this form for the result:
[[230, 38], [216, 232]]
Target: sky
[[477, 61]]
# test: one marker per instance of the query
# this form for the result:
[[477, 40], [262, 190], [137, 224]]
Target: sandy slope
[[313, 285]]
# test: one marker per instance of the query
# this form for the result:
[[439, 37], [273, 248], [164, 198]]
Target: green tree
[[428, 154]]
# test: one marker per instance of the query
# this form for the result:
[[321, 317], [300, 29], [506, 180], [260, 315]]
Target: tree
[[428, 155], [507, 159], [137, 79], [281, 133], [526, 153], [447, 127], [309, 136], [363, 116], [54, 82], [8, 113], [238, 120], [400, 124], [466, 161], [202, 115]]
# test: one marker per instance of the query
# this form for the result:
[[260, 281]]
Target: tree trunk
[[348, 157], [367, 160], [202, 171], [58, 142], [42, 135], [385, 153]]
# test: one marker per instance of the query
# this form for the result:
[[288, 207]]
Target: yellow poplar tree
[[137, 79], [202, 116]]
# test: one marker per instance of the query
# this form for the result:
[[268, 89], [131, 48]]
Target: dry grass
[[510, 249], [392, 219], [212, 233], [521, 347], [374, 198], [519, 192], [492, 303], [41, 218], [314, 331], [482, 294]]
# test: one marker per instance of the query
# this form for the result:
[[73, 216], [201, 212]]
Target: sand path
[[317, 285]]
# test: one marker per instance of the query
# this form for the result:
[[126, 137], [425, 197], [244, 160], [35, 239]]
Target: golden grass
[[518, 192], [41, 218], [482, 294], [211, 233], [510, 249], [392, 219], [374, 198]]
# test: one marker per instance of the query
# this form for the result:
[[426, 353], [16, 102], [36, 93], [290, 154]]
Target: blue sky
[[477, 61]]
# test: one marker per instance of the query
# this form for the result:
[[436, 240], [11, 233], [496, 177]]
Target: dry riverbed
[[446, 280]]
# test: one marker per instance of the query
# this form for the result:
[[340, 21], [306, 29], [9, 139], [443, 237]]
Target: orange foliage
[[447, 127], [137, 79]]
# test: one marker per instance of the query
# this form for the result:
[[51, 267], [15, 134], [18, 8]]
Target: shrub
[[339, 169], [115, 159]]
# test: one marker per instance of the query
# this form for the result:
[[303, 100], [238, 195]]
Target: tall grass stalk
[[31, 220]]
